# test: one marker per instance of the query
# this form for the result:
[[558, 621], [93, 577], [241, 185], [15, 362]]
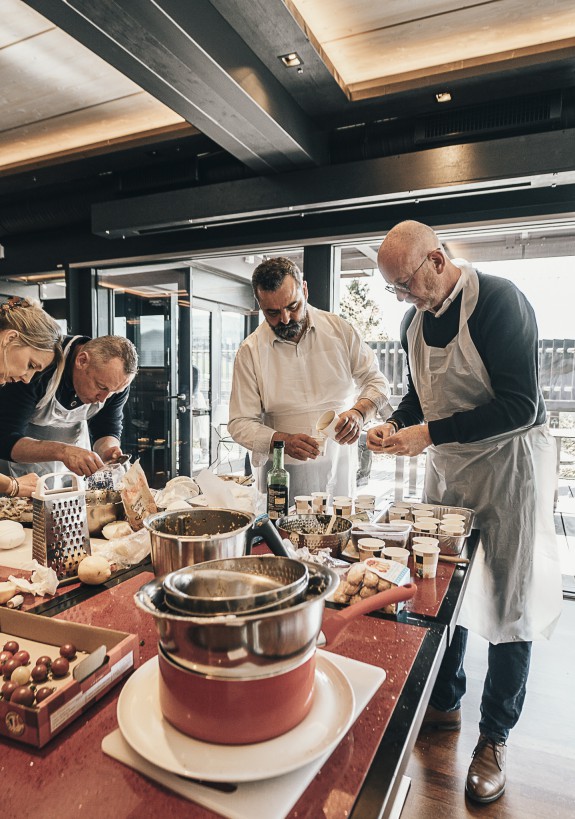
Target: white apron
[[53, 422], [297, 409], [514, 590]]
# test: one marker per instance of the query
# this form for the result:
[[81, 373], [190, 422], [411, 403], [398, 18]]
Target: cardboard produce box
[[103, 658]]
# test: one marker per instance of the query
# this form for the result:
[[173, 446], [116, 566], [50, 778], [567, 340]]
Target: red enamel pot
[[258, 703]]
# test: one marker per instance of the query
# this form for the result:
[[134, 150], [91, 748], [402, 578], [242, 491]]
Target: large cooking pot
[[310, 531], [185, 537], [274, 676]]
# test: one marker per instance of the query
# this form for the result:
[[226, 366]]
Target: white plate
[[145, 729]]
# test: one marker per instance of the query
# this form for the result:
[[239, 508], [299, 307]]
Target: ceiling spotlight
[[291, 60], [443, 96]]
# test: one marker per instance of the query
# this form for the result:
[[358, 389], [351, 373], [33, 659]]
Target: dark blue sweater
[[504, 331]]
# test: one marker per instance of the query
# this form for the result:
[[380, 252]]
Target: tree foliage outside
[[358, 307]]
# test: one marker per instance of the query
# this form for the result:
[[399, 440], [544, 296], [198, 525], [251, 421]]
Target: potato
[[367, 591], [116, 528], [94, 570], [370, 580], [356, 573]]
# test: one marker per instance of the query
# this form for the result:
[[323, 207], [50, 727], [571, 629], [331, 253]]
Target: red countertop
[[72, 777]]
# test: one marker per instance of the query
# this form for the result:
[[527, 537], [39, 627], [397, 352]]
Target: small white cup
[[421, 540], [422, 513], [320, 441], [319, 503], [327, 423], [369, 547], [303, 504], [451, 517], [365, 502], [423, 506], [425, 559], [398, 513], [396, 553], [424, 527], [342, 505], [454, 529]]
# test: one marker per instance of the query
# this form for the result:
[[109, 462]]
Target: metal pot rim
[[240, 619], [150, 520]]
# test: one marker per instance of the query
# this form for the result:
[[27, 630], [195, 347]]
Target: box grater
[[60, 526]]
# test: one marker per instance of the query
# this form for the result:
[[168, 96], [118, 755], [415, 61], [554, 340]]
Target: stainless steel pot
[[184, 538], [239, 645]]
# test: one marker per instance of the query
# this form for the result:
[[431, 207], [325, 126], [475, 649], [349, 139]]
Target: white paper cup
[[327, 423], [398, 513], [451, 517], [365, 502], [396, 553], [303, 504], [319, 503], [320, 441], [424, 527], [422, 513], [423, 506], [425, 559], [425, 541], [369, 547], [342, 505], [454, 529]]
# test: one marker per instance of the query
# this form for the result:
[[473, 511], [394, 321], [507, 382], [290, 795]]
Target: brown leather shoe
[[486, 776], [441, 720]]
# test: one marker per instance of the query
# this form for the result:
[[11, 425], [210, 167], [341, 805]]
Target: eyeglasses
[[404, 288]]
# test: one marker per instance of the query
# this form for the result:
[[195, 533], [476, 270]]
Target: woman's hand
[[26, 484], [408, 441]]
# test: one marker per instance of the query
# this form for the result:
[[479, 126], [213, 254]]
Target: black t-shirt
[[504, 330], [18, 402]]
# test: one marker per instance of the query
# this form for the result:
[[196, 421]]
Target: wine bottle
[[278, 484]]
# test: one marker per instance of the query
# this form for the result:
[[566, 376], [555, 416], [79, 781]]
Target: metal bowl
[[309, 530], [237, 585]]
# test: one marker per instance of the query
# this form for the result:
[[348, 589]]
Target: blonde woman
[[30, 340]]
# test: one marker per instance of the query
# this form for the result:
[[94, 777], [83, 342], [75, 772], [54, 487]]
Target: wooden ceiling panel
[[106, 123], [20, 22], [378, 43]]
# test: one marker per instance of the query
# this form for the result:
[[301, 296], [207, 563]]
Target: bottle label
[[277, 502]]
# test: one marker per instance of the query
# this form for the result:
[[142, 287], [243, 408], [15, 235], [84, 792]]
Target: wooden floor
[[541, 748]]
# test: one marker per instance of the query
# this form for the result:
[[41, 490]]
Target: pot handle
[[334, 626], [263, 529]]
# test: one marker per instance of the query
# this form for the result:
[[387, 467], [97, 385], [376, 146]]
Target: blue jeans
[[503, 691]]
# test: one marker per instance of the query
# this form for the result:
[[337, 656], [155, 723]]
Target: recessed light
[[291, 60], [443, 96]]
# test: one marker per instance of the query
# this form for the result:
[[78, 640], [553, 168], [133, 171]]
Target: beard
[[292, 329]]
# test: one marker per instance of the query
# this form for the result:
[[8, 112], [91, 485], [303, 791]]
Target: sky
[[549, 284]]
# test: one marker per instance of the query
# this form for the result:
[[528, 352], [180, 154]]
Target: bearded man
[[298, 364]]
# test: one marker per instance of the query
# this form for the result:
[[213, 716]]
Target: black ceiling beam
[[29, 254], [187, 56], [527, 161]]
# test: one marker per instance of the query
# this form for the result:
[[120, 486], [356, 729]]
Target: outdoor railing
[[556, 370]]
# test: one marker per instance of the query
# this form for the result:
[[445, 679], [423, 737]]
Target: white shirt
[[282, 386]]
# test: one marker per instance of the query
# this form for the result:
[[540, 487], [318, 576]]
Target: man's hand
[[408, 441], [112, 453], [348, 427], [81, 461], [301, 447]]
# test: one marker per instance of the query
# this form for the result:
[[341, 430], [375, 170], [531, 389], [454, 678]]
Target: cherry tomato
[[44, 660], [23, 656], [60, 667], [23, 695], [12, 646], [43, 693], [40, 672], [8, 688], [68, 650]]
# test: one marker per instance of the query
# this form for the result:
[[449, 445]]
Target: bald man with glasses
[[473, 403]]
